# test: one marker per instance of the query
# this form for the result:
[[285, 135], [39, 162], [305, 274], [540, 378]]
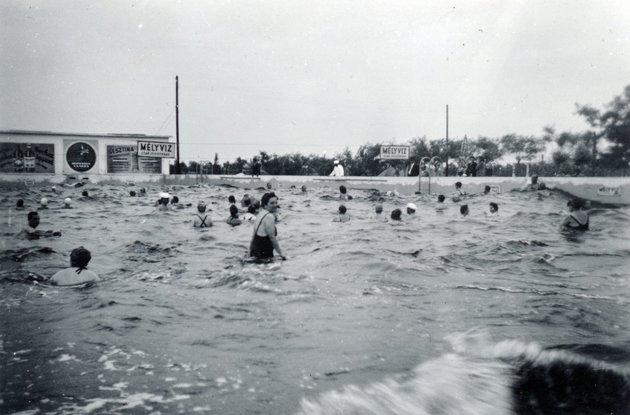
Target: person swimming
[[342, 215], [441, 198], [250, 216], [459, 193], [576, 219], [163, 202], [486, 189], [78, 272], [463, 209], [494, 208], [43, 203], [132, 193], [201, 219], [19, 204], [233, 219], [264, 241], [411, 209], [31, 232], [396, 214], [67, 203], [343, 193]]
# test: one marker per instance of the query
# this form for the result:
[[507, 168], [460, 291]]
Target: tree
[[521, 147]]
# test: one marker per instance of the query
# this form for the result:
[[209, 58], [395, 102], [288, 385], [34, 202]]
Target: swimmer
[[396, 214], [342, 215], [54, 189], [43, 204], [143, 191], [231, 200], [19, 204], [175, 202], [31, 232], [250, 216], [411, 209], [162, 203], [486, 190], [459, 193], [67, 203], [533, 185], [85, 195], [463, 209], [264, 240], [78, 272], [577, 219], [441, 198], [303, 188], [343, 193], [494, 209], [378, 209], [246, 201], [202, 222], [132, 193], [233, 219]]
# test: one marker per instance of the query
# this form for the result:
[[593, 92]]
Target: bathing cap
[[44, 201], [336, 162], [67, 201], [411, 206], [164, 195]]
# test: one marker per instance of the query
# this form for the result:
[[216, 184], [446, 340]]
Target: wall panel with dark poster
[[27, 158], [124, 159]]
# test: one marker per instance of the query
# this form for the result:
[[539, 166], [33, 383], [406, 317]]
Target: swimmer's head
[[67, 202], [411, 208], [19, 204], [233, 211], [246, 201], [201, 207], [463, 209], [43, 202], [494, 207], [534, 179], [33, 219], [458, 185], [231, 199], [164, 198], [343, 190], [85, 193], [303, 188], [268, 185], [251, 209], [132, 193], [143, 190], [342, 209], [441, 198], [268, 197], [576, 204], [396, 214], [378, 208], [336, 162], [80, 257], [174, 200], [486, 190], [54, 188]]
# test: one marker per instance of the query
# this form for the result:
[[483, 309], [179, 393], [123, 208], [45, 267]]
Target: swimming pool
[[438, 314]]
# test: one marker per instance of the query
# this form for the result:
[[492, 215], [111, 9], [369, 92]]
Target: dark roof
[[108, 135]]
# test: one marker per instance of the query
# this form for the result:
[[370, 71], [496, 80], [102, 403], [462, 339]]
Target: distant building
[[75, 153]]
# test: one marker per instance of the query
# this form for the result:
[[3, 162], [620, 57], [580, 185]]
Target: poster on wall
[[125, 159], [80, 155], [27, 158]]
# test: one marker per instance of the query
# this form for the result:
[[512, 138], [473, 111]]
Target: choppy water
[[438, 315]]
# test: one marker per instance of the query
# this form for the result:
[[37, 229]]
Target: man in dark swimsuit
[[577, 218], [264, 239]]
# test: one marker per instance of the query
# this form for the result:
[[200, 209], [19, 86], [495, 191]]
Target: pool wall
[[608, 190]]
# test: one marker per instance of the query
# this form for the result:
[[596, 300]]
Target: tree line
[[603, 149]]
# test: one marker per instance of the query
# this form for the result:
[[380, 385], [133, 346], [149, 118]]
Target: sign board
[[156, 149], [124, 159], [81, 155], [609, 191], [394, 152], [27, 158]]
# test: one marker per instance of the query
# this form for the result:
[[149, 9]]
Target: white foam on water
[[449, 385]]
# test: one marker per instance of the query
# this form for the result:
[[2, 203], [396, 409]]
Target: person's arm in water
[[270, 229]]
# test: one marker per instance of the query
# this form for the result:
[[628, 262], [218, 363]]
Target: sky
[[314, 77]]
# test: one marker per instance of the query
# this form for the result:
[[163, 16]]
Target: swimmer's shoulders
[[69, 276]]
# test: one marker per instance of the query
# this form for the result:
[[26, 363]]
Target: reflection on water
[[439, 314]]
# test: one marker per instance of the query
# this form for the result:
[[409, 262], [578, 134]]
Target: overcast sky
[[308, 76]]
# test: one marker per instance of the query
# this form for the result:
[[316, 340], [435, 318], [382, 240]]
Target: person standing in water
[[577, 219], [264, 240], [78, 272]]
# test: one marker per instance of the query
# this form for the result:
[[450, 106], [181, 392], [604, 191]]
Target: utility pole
[[177, 169], [446, 171]]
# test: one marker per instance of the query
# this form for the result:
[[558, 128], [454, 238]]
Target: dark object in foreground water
[[569, 388]]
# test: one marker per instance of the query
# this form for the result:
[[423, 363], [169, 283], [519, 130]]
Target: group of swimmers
[[263, 214]]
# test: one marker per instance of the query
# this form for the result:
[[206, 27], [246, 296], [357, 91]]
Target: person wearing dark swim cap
[[78, 272]]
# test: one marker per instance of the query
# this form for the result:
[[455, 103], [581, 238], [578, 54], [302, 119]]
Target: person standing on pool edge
[[337, 170], [264, 239]]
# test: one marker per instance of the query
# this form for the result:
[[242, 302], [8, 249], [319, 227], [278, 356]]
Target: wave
[[479, 377]]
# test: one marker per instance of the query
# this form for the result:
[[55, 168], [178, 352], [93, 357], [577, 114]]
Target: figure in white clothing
[[337, 170]]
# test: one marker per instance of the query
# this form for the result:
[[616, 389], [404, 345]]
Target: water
[[438, 315]]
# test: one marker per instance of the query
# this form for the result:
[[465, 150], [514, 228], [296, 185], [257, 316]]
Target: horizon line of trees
[[603, 149]]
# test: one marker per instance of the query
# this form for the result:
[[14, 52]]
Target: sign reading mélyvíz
[[394, 153], [156, 149]]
